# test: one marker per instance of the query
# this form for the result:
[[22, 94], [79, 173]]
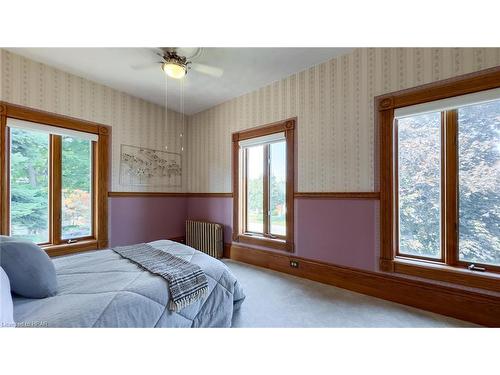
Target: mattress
[[102, 289]]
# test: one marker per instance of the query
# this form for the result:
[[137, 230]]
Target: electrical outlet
[[294, 264]]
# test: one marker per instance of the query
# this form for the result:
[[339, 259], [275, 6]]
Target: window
[[419, 178], [77, 194], [479, 183], [277, 189], [56, 178], [254, 159], [440, 182], [263, 185], [420, 175], [29, 185]]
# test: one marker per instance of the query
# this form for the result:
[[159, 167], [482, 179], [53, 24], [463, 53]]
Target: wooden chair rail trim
[[167, 194], [297, 195], [210, 195], [469, 305], [338, 195]]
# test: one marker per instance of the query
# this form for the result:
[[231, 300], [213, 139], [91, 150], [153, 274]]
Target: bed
[[103, 289]]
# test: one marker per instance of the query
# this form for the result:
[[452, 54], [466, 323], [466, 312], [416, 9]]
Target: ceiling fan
[[176, 62]]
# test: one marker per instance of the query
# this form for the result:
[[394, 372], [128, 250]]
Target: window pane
[[76, 187], [419, 169], [29, 185], [277, 186], [255, 189], [479, 183]]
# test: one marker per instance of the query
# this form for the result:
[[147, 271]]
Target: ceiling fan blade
[[149, 65], [208, 69], [188, 52]]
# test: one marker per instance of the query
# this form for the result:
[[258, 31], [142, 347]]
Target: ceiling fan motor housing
[[171, 57]]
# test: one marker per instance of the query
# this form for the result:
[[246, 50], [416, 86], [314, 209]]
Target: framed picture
[[141, 166]]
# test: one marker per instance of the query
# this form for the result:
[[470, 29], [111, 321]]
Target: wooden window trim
[[256, 240], [100, 181], [265, 210], [55, 186], [451, 270], [445, 273], [239, 199], [450, 188]]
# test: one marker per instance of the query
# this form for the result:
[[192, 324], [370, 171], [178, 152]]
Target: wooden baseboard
[[227, 251], [462, 304]]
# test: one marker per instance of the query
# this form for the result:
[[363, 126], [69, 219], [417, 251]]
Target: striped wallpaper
[[134, 121], [333, 102], [334, 105]]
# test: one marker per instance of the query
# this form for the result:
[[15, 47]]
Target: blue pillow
[[6, 305], [30, 270]]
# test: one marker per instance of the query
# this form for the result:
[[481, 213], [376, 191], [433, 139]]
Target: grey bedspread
[[102, 289]]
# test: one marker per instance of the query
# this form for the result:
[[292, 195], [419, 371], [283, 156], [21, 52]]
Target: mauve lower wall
[[214, 209], [338, 231], [142, 219]]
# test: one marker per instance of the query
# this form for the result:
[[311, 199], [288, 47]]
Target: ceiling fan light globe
[[174, 70]]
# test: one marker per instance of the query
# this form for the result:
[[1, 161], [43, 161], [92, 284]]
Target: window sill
[[273, 243], [445, 273], [64, 249]]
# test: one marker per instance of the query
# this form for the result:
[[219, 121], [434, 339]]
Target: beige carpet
[[275, 299]]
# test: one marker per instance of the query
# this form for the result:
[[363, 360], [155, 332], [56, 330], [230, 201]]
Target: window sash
[[449, 186], [397, 187], [12, 171], [266, 189], [91, 192], [246, 210]]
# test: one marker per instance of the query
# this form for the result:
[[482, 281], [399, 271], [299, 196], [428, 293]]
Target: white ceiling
[[245, 69]]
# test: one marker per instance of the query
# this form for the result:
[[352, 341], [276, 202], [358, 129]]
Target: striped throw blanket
[[186, 281]]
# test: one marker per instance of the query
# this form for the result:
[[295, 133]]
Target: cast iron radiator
[[205, 237]]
